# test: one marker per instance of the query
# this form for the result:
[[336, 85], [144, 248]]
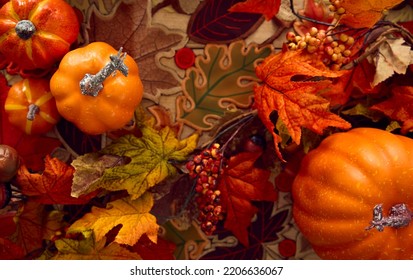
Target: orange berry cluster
[[336, 8], [205, 168], [334, 50]]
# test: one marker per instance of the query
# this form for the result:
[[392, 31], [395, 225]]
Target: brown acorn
[[9, 163]]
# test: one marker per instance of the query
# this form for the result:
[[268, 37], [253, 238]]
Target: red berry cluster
[[205, 168]]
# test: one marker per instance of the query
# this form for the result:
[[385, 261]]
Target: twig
[[64, 143], [229, 125], [381, 39], [307, 18]]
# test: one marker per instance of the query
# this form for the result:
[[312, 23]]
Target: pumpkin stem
[[399, 216], [25, 29], [33, 110], [92, 84]]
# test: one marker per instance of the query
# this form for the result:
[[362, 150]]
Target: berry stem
[[307, 18]]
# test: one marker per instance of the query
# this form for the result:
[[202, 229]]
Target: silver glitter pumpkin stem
[[93, 84], [399, 216]]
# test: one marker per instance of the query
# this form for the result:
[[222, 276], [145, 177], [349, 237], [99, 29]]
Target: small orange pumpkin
[[31, 107], [36, 33], [97, 88], [353, 195]]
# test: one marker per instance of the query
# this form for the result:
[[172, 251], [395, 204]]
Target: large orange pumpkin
[[353, 193]]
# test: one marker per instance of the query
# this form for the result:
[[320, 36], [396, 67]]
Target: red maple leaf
[[29, 226], [161, 250], [240, 184], [10, 250], [292, 84], [399, 107], [269, 8], [53, 186]]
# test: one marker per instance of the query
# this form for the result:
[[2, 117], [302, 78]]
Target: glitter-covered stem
[[93, 84]]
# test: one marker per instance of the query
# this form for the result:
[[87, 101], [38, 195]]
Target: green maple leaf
[[91, 249], [133, 215], [150, 162]]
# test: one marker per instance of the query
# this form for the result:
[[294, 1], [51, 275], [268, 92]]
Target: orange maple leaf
[[298, 102], [399, 107], [53, 186], [359, 14], [240, 184], [269, 8]]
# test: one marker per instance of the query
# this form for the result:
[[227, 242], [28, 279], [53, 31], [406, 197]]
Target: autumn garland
[[302, 95]]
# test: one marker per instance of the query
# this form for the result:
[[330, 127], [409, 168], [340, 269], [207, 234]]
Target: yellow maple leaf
[[151, 158], [91, 249], [133, 215]]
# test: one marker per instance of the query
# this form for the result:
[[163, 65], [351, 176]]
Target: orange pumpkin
[[36, 33], [97, 88], [31, 107], [353, 195]]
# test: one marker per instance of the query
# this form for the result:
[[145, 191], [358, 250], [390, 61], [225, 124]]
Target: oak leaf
[[129, 26], [240, 184], [399, 107], [393, 56], [133, 215], [359, 14], [269, 8], [52, 186], [151, 161], [223, 78], [297, 102], [88, 248]]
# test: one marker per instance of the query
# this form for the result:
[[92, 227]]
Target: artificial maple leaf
[[240, 184], [148, 250], [52, 186], [399, 107], [359, 14], [88, 248], [10, 250], [133, 215], [29, 223], [298, 103], [393, 56], [151, 161], [269, 8]]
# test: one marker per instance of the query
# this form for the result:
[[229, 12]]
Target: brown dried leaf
[[131, 29]]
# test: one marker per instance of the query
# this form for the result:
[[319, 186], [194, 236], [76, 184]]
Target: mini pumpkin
[[97, 88], [36, 33], [353, 195], [31, 107]]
